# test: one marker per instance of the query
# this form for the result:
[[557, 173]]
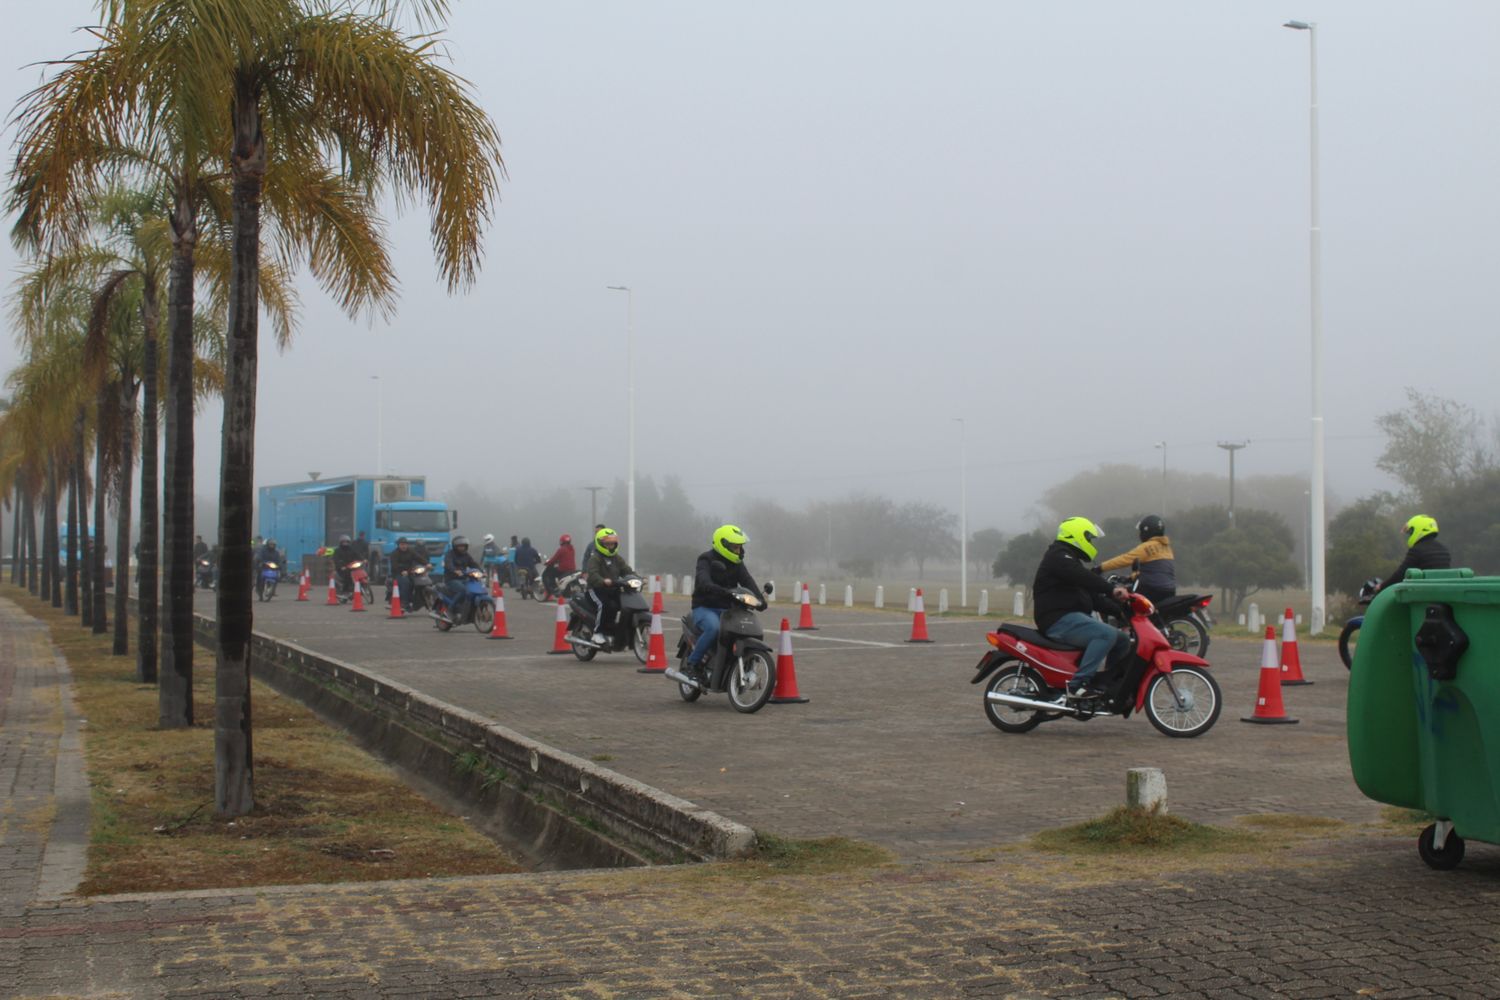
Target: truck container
[[304, 517]]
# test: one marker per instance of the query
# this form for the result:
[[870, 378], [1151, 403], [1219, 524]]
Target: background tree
[[1018, 561], [1256, 553], [1364, 541], [985, 546], [1432, 443]]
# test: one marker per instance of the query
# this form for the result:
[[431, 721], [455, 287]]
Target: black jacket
[[715, 579], [1065, 583], [527, 556], [602, 567], [456, 562], [403, 562], [1428, 553], [344, 555]]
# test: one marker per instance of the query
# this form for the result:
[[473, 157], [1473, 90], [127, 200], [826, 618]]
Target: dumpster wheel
[[1442, 858]]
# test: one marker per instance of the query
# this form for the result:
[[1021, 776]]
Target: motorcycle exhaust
[[682, 678], [1017, 701]]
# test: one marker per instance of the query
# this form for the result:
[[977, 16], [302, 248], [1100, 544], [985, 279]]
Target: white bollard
[[671, 584], [911, 599], [943, 601], [822, 593], [687, 586], [848, 596], [1019, 607], [797, 592], [1254, 619], [1299, 621], [984, 603], [879, 596], [769, 599], [1146, 788], [1242, 619]]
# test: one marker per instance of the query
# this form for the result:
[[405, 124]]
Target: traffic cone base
[[919, 621], [786, 692], [359, 597], [1268, 707], [333, 594], [396, 611], [1291, 660]]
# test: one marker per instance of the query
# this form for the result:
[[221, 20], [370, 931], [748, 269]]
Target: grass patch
[[325, 810], [1143, 831], [1406, 820], [815, 857], [1293, 823]]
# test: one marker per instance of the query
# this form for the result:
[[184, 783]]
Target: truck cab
[[422, 521]]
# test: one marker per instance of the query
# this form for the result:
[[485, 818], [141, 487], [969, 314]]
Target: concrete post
[[848, 596], [911, 599], [879, 596], [1019, 608], [984, 603], [943, 601], [822, 593], [1146, 788]]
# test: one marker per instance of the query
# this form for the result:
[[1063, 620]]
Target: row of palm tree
[[216, 146]]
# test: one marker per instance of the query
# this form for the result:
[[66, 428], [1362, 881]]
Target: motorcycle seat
[[1035, 638]]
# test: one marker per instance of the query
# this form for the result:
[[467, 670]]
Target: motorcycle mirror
[[769, 589]]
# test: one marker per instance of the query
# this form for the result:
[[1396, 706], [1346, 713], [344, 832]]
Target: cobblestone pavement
[[1353, 915], [893, 747]]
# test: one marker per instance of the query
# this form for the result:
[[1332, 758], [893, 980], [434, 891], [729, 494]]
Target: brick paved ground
[[1357, 915]]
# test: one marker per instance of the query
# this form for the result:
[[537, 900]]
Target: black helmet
[[1151, 526], [460, 541], [401, 540], [525, 541]]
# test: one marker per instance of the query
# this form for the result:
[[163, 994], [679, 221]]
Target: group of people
[[1067, 590]]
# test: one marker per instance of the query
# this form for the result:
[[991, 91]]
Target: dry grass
[[325, 810]]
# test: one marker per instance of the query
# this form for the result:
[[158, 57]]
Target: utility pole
[[1232, 447], [593, 506]]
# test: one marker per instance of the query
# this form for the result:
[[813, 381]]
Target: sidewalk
[[1357, 915]]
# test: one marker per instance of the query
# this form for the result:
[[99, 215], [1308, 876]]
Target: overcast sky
[[1081, 226]]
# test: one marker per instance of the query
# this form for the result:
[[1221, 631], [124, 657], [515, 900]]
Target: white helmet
[[488, 539]]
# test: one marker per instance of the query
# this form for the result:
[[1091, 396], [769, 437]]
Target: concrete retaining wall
[[555, 809]]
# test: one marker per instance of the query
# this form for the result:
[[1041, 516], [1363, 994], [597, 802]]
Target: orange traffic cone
[[497, 630], [333, 593], [1268, 707], [560, 633], [359, 596], [656, 650], [1291, 660], [805, 623], [786, 692], [303, 585], [919, 621], [396, 611]]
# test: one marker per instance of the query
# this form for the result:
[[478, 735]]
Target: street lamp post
[[1232, 447], [630, 418], [1315, 252], [1163, 446], [963, 519], [593, 507], [379, 425]]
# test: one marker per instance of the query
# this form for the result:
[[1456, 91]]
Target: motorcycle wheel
[[1184, 703], [442, 626], [1347, 643], [484, 618], [1187, 635], [689, 692], [584, 652], [1018, 680], [640, 641], [752, 681]]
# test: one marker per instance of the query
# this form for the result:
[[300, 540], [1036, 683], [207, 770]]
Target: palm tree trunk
[[84, 547], [122, 524], [234, 791], [175, 691], [33, 558], [96, 569], [147, 587], [70, 582], [16, 577], [51, 545]]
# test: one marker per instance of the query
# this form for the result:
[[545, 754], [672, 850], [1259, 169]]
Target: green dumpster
[[1424, 706]]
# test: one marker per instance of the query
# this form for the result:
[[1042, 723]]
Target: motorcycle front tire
[[484, 617], [747, 699], [640, 639], [1347, 642]]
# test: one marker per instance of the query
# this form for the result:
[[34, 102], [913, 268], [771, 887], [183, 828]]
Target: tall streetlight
[[1163, 446], [963, 519], [379, 425], [630, 411], [1232, 447], [1315, 251], [593, 507]]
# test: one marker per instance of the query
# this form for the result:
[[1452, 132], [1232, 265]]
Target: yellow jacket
[[1157, 562]]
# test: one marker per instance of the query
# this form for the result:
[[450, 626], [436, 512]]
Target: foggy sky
[[1082, 227]]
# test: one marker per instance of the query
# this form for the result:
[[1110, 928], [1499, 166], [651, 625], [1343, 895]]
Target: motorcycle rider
[[1066, 593], [200, 548], [1158, 572], [492, 556], [718, 572], [562, 562], [267, 553], [403, 561], [527, 557], [456, 564], [343, 557], [1423, 550], [606, 567]]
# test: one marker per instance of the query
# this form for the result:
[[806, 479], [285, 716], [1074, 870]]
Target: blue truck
[[304, 517]]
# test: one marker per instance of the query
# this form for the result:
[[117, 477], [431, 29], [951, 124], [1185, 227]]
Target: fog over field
[[1080, 227]]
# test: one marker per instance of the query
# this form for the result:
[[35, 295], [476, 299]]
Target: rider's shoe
[[599, 638]]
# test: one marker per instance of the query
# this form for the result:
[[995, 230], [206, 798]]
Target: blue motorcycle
[[267, 579], [478, 605]]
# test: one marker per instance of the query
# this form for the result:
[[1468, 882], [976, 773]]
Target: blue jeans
[[706, 621], [1095, 638]]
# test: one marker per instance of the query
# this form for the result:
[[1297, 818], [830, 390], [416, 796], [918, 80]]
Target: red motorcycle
[[1031, 673]]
